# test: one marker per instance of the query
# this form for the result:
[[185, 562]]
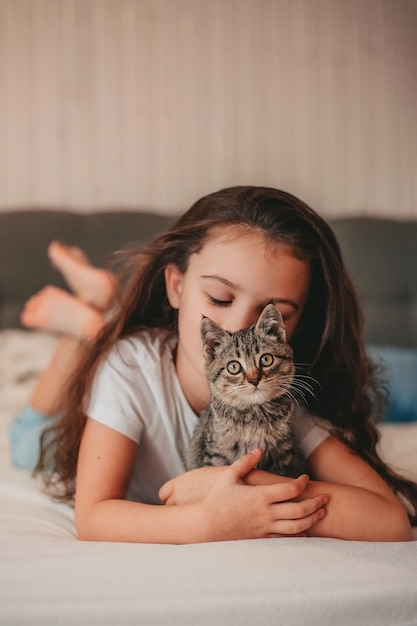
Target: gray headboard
[[381, 255]]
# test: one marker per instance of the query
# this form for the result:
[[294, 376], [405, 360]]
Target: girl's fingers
[[296, 526], [298, 510], [241, 468], [281, 492], [166, 491]]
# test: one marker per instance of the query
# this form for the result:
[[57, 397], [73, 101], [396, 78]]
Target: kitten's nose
[[253, 378]]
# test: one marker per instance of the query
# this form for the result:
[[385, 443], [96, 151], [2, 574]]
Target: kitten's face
[[250, 366]]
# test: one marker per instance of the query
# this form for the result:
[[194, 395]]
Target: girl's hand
[[235, 510], [190, 487]]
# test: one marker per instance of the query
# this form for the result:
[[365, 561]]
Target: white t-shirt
[[136, 392]]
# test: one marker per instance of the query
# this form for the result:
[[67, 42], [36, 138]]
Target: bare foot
[[92, 284], [55, 310]]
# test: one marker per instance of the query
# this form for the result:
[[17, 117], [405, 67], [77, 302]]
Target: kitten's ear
[[270, 322], [212, 337]]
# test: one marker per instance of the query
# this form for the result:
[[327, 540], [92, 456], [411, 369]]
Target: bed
[[48, 577]]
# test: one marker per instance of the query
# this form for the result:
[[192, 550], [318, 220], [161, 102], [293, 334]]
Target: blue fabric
[[400, 366], [24, 433]]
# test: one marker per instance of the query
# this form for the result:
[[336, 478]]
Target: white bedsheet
[[47, 577]]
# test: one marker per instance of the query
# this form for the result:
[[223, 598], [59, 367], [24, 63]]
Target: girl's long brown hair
[[328, 341]]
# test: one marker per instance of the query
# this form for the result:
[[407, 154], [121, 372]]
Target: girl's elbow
[[84, 526], [88, 532], [83, 531], [400, 527], [83, 534]]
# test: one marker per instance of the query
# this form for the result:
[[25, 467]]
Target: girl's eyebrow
[[221, 279], [228, 283]]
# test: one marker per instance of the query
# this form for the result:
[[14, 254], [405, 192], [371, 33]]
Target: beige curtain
[[152, 103]]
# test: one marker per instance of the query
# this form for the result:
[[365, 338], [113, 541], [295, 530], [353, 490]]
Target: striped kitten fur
[[250, 373]]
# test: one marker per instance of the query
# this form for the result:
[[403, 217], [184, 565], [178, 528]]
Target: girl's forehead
[[247, 261]]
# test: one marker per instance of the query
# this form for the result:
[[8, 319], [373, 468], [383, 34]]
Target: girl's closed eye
[[218, 302]]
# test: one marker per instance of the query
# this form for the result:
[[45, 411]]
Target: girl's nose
[[241, 319]]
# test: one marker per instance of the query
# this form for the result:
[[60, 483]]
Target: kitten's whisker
[[306, 376], [301, 380], [302, 396], [294, 399], [299, 386]]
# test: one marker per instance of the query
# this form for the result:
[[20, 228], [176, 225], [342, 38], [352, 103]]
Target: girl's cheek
[[290, 326]]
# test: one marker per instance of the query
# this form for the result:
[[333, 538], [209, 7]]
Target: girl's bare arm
[[360, 507], [230, 509]]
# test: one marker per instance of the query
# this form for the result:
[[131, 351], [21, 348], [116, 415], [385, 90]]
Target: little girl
[[134, 400]]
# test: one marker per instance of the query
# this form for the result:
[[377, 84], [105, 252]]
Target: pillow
[[400, 368]]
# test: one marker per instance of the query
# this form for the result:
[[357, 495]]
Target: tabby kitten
[[250, 373]]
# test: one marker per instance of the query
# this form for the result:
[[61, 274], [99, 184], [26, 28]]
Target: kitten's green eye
[[266, 360], [234, 367]]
